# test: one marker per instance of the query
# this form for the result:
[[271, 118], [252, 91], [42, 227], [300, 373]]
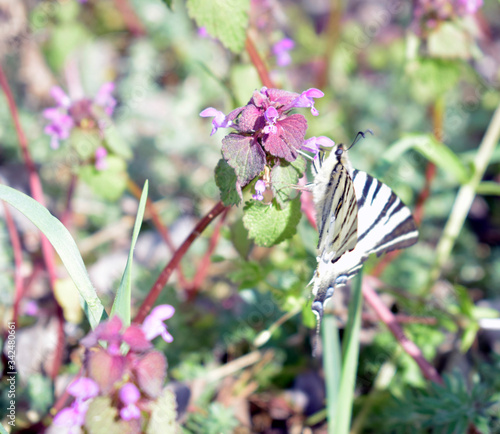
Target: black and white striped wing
[[336, 208], [384, 223]]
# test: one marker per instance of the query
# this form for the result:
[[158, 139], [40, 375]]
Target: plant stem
[[350, 351], [332, 38], [37, 194], [388, 318], [130, 18], [332, 362], [162, 279], [465, 196], [258, 63], [160, 227], [202, 270]]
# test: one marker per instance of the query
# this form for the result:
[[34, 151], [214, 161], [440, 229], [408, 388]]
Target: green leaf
[[102, 418], [169, 4], [65, 38], [489, 188], [350, 351], [115, 142], [332, 362], [163, 414], [226, 180], [109, 183], [269, 224], [432, 78], [469, 336], [284, 176], [121, 305], [225, 20], [40, 392], [450, 41], [64, 245], [239, 238], [430, 148], [2, 429]]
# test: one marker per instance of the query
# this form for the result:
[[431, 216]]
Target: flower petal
[[129, 393], [83, 388]]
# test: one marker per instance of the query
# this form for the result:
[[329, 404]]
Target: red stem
[[205, 261], [258, 63], [130, 18], [332, 38], [172, 265], [402, 319], [389, 319], [37, 194]]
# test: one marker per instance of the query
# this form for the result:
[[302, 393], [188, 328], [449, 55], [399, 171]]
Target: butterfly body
[[356, 215]]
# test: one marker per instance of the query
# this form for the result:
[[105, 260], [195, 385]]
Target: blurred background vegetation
[[406, 73]]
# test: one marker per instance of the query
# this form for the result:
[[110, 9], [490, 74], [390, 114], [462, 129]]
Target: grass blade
[[332, 360], [121, 305], [350, 352], [64, 245]]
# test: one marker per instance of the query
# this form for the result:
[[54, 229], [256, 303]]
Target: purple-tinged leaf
[[288, 139], [251, 119], [151, 371], [105, 369], [244, 155], [136, 339]]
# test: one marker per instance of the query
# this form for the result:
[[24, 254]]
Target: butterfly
[[356, 215]]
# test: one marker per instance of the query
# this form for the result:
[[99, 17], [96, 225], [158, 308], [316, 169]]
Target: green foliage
[[163, 414], [123, 299], [450, 407], [40, 392], [64, 245], [169, 4], [224, 19], [452, 41], [215, 420], [110, 183], [284, 177], [226, 180], [269, 224], [432, 78], [102, 417]]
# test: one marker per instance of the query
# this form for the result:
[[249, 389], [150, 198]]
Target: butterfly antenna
[[361, 134]]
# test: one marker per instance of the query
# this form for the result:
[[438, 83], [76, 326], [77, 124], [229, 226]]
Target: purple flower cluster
[[265, 131], [127, 355], [73, 417], [83, 113], [281, 51]]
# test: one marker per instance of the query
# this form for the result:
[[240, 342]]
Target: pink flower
[[104, 98], [314, 144], [306, 99], [73, 417], [260, 187], [100, 158], [219, 121], [129, 395], [281, 51], [153, 324], [68, 114]]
